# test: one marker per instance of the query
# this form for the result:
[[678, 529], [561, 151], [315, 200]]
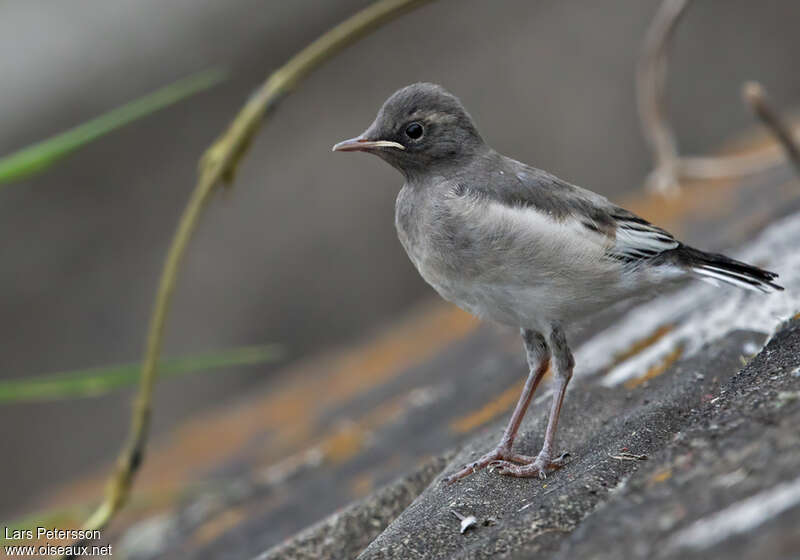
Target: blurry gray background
[[303, 250]]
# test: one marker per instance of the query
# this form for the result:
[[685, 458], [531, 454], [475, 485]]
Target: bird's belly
[[522, 283], [510, 305], [535, 305], [495, 303]]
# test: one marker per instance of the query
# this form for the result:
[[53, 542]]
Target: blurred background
[[303, 250]]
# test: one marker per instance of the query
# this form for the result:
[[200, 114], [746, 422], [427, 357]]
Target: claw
[[534, 468], [496, 454], [502, 461]]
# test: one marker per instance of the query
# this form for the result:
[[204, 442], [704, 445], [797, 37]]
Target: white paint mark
[[730, 479], [632, 368], [750, 348], [150, 537], [467, 522], [738, 518]]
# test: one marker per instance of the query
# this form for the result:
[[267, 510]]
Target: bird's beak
[[360, 144]]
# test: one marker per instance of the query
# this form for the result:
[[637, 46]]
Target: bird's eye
[[414, 131]]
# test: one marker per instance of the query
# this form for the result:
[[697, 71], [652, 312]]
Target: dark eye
[[414, 131]]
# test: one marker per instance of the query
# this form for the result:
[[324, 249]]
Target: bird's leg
[[538, 357], [544, 462]]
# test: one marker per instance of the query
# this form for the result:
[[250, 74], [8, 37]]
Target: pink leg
[[538, 360], [545, 462]]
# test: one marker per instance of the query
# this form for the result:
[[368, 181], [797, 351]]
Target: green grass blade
[[98, 381], [38, 157]]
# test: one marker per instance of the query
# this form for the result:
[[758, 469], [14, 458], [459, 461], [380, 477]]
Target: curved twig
[[651, 74], [670, 166], [756, 97], [218, 165]]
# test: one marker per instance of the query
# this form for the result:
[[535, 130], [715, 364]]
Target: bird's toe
[[501, 467]]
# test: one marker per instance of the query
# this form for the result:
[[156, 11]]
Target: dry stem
[[219, 165], [755, 96], [670, 166], [651, 77]]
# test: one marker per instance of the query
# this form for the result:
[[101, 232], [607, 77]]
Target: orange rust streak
[[641, 344], [657, 369], [217, 525], [361, 485], [489, 411], [661, 476], [348, 439], [344, 444], [494, 408], [289, 411]]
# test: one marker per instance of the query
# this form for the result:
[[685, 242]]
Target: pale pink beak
[[359, 144]]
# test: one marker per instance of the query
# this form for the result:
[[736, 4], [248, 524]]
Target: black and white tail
[[715, 267]]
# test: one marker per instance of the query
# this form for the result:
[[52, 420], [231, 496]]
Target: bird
[[516, 245]]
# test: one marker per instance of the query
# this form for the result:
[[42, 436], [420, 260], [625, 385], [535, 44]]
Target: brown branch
[[670, 167], [651, 74], [218, 165], [756, 98]]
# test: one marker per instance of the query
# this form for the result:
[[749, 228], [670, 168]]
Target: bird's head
[[420, 128]]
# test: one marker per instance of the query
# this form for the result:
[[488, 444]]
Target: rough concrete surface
[[346, 533], [648, 463], [709, 492], [650, 466]]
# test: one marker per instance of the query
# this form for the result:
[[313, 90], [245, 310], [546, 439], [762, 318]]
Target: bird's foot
[[500, 454], [536, 467]]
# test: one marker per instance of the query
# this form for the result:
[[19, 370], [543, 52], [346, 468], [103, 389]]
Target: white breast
[[521, 267]]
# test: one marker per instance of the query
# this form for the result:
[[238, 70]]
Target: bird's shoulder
[[514, 184]]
